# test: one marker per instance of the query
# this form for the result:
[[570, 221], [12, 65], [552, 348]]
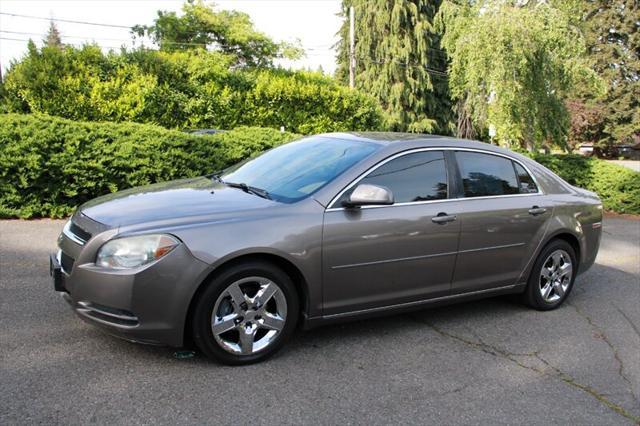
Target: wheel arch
[[298, 278], [559, 234], [567, 236]]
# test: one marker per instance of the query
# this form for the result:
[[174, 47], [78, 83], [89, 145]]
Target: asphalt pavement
[[486, 362]]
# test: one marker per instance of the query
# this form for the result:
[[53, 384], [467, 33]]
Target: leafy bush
[[49, 165], [618, 187], [192, 89]]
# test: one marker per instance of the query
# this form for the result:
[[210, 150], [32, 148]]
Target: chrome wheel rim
[[555, 276], [249, 315]]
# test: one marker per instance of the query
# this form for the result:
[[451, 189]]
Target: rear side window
[[527, 185], [486, 175], [420, 176]]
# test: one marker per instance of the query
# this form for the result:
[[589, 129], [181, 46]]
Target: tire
[[250, 325], [549, 283]]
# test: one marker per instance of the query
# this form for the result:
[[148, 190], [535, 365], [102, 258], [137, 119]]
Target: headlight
[[130, 252]]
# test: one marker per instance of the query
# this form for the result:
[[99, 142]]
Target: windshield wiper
[[215, 176], [247, 188]]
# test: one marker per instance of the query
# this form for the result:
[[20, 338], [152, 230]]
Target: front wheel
[[246, 313], [552, 276]]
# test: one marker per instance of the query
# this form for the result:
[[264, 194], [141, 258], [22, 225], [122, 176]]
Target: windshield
[[296, 170]]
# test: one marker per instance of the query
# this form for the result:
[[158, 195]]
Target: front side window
[[296, 170], [420, 176], [486, 175]]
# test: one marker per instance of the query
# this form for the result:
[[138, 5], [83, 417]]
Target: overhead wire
[[71, 21], [131, 27], [314, 50]]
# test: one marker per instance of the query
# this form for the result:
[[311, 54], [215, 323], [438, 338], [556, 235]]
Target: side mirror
[[370, 195]]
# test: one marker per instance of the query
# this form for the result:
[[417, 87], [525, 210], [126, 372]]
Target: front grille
[[66, 262], [79, 232]]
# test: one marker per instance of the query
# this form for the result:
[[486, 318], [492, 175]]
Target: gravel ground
[[487, 362]]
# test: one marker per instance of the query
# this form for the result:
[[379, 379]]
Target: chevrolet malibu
[[328, 228]]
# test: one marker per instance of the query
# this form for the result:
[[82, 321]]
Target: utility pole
[[352, 47]]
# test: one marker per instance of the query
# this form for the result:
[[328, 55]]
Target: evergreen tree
[[613, 45], [399, 61], [53, 38]]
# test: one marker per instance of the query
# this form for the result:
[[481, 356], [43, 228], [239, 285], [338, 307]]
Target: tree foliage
[[191, 89], [587, 122], [613, 41], [228, 31], [53, 37], [399, 62], [512, 65]]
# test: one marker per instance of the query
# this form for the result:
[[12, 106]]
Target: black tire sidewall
[[201, 319], [532, 294]]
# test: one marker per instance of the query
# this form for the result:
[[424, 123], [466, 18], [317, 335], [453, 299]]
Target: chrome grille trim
[[70, 235], [79, 232]]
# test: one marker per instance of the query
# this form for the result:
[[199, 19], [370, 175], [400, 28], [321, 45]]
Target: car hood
[[170, 200]]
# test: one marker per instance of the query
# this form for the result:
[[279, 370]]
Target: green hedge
[[617, 186], [181, 90], [49, 165]]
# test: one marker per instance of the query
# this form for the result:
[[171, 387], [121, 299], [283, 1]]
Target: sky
[[314, 22]]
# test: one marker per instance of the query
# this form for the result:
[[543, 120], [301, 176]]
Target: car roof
[[401, 141], [392, 143], [381, 137]]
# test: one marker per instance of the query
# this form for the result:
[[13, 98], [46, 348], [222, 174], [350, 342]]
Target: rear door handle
[[535, 211], [443, 218]]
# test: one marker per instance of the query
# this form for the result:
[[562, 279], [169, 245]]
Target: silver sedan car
[[328, 228]]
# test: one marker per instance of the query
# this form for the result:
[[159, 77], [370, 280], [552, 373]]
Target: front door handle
[[443, 218], [535, 210]]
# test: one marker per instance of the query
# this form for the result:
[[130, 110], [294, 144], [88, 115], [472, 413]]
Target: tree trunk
[[465, 125]]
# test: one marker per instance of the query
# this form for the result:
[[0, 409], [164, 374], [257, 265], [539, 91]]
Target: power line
[[13, 39], [91, 38], [314, 50], [71, 21], [70, 44], [63, 36], [104, 25], [432, 71], [186, 43]]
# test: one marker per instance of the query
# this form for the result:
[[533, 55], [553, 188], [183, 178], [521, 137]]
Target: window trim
[[461, 193], [448, 166], [447, 172], [515, 169]]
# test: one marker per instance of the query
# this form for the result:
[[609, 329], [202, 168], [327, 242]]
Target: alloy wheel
[[249, 315], [555, 276]]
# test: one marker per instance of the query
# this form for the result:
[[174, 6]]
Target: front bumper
[[147, 304]]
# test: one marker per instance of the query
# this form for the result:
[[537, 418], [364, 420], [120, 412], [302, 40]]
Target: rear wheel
[[246, 313], [552, 276]]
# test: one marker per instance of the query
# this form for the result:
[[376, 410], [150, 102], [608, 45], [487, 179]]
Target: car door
[[375, 256], [502, 216]]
